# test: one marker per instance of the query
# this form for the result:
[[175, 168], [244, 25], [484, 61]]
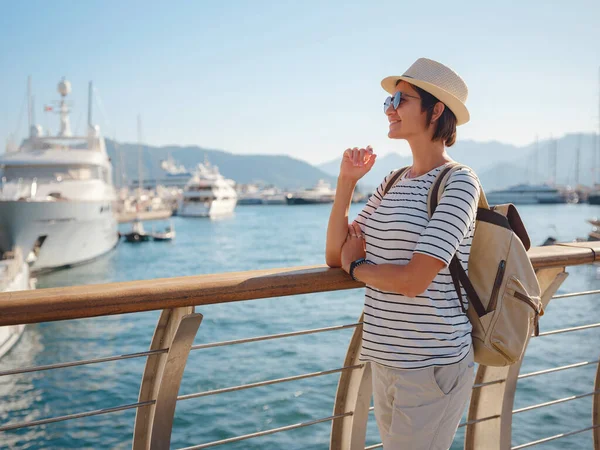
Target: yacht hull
[[216, 208], [75, 232], [307, 201], [522, 198], [10, 335], [594, 199]]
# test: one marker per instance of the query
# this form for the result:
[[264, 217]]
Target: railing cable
[[554, 402], [266, 432], [552, 438], [274, 336], [96, 412], [576, 294], [265, 383], [567, 330], [557, 369], [82, 362], [165, 350]]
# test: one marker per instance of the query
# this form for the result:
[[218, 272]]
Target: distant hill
[[279, 170], [501, 165], [498, 165]]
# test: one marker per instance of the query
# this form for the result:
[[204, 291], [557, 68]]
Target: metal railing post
[[354, 393], [175, 330], [596, 410], [497, 399]]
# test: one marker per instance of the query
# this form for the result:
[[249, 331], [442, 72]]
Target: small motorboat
[[137, 233], [167, 235], [550, 241]]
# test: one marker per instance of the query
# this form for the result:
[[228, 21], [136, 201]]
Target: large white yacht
[[320, 193], [56, 195], [207, 194], [526, 194]]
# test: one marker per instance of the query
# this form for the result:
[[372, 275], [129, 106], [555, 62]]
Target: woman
[[416, 335]]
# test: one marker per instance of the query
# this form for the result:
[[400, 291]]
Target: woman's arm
[[337, 229], [439, 241], [355, 164], [410, 280]]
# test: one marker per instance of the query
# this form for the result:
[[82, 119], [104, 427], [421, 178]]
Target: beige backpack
[[501, 286]]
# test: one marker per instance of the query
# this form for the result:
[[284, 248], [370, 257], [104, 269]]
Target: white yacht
[[526, 194], [254, 195], [14, 276], [57, 194], [207, 194], [321, 193], [273, 196]]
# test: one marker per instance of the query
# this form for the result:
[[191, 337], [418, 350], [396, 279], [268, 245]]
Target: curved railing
[[491, 410]]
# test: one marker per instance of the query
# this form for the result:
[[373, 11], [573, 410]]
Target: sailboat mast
[[139, 130], [29, 106], [597, 136], [535, 160], [577, 155], [554, 157], [552, 161]]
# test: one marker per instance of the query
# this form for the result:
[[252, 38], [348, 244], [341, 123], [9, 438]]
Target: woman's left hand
[[354, 247]]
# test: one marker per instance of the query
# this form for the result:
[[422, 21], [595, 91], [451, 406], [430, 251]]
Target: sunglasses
[[395, 100]]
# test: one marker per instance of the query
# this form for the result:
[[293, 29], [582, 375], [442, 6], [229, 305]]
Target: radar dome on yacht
[[36, 131], [64, 87]]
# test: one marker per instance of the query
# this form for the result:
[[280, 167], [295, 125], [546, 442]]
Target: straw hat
[[440, 81]]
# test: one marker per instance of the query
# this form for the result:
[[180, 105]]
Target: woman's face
[[408, 120]]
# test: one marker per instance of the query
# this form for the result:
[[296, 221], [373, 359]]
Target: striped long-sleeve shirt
[[430, 329]]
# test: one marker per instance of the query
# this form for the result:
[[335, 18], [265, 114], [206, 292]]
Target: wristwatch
[[354, 265]]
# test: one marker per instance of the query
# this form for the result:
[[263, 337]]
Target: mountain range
[[280, 170], [500, 165], [497, 164]]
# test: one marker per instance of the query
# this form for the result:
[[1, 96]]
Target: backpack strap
[[395, 177], [459, 276]]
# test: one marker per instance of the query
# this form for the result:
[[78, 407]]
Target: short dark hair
[[446, 124]]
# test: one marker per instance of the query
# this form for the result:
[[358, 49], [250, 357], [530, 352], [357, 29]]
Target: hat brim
[[456, 106]]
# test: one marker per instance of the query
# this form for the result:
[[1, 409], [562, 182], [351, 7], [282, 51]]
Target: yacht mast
[[29, 108], [90, 91], [64, 89]]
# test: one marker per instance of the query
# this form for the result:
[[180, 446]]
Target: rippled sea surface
[[262, 237]]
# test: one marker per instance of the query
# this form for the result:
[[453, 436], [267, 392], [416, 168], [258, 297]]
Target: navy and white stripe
[[430, 329]]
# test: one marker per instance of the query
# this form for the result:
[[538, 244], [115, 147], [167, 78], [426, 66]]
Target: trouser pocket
[[446, 379]]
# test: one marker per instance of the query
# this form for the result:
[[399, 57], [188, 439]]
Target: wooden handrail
[[77, 302]]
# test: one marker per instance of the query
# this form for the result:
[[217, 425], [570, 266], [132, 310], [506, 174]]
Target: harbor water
[[262, 237]]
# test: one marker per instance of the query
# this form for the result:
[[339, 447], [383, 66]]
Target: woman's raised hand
[[356, 162]]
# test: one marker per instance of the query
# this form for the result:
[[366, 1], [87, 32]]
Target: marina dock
[[492, 406], [126, 217]]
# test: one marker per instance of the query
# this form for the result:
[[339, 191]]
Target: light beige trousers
[[421, 409]]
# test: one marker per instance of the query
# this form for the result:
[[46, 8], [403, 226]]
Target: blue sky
[[298, 78]]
